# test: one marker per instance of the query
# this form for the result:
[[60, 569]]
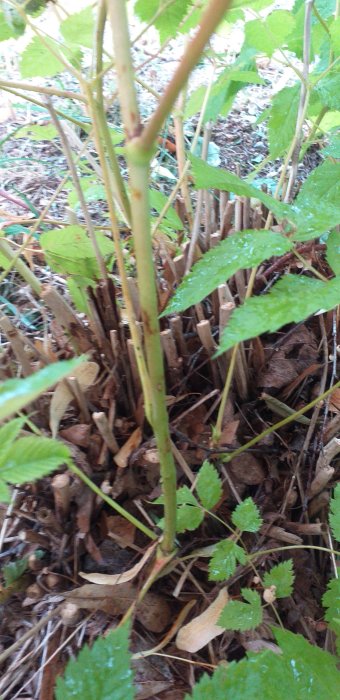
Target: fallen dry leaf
[[203, 628], [85, 375], [247, 469], [153, 611], [115, 579], [122, 457], [120, 530], [334, 401]]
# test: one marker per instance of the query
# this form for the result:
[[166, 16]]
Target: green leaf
[[31, 458], [208, 485], [331, 600], [168, 21], [246, 516], [282, 120], [17, 393], [242, 616], [208, 177], [37, 132], [269, 34], [79, 28], [241, 250], [328, 90], [291, 300], [100, 673], [158, 201], [224, 560], [334, 516], [282, 577], [37, 60], [333, 146], [333, 251], [326, 8], [302, 671], [14, 570], [317, 206], [70, 251], [335, 35], [189, 513], [7, 30], [8, 433]]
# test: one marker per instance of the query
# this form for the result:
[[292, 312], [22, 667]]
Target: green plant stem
[[139, 164], [11, 84], [261, 552], [209, 21], [119, 509], [228, 457], [20, 266], [100, 115]]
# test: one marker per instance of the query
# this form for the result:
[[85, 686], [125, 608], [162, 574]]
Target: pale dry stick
[[30, 633], [17, 341], [199, 204], [181, 159], [52, 92], [177, 187], [304, 98], [79, 191], [62, 495], [105, 430], [8, 517]]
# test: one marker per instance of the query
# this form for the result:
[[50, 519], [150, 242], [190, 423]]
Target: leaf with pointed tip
[[100, 673], [282, 577], [17, 393], [291, 300], [208, 485], [282, 120], [224, 560], [331, 600], [79, 28], [246, 516], [239, 251], [317, 206], [242, 616], [207, 176]]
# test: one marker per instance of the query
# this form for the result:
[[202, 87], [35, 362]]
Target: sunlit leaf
[[70, 251], [291, 300], [282, 120], [269, 34], [317, 206], [240, 250], [79, 28]]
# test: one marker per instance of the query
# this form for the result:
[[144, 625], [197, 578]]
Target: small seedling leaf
[[242, 616], [224, 560], [282, 577], [246, 516], [208, 485], [14, 570]]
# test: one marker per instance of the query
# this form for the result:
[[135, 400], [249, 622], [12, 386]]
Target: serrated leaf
[[79, 28], [328, 90], [14, 570], [291, 300], [242, 616], [188, 518], [8, 433], [335, 35], [246, 516], [332, 148], [224, 560], [282, 577], [208, 177], [317, 206], [334, 516], [333, 251], [269, 34], [100, 673], [241, 250], [208, 485], [302, 671], [70, 251], [17, 393], [37, 60], [31, 458], [331, 600], [167, 22], [6, 30], [282, 120]]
